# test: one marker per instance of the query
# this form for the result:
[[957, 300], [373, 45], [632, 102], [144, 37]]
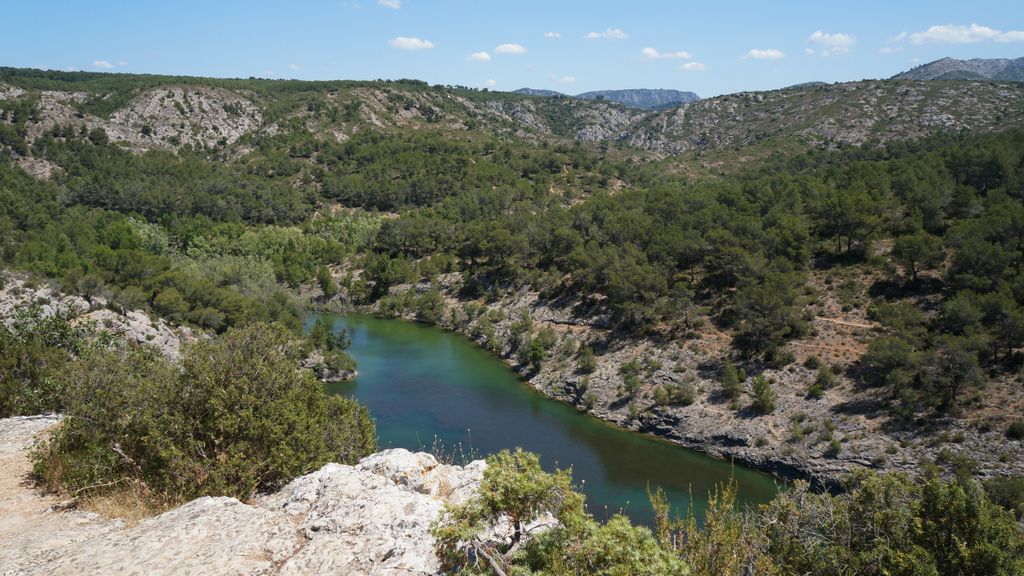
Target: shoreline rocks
[[819, 440]]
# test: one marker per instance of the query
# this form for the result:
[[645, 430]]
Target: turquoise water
[[422, 383]]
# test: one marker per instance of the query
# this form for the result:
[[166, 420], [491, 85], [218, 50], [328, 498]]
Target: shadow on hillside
[[870, 407], [898, 290]]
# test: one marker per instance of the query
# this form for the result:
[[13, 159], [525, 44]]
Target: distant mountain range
[[540, 92], [803, 85], [644, 98], [1004, 69], [974, 69]]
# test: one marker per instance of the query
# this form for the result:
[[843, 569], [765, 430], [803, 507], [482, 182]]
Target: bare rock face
[[197, 115], [372, 518], [160, 118], [135, 325]]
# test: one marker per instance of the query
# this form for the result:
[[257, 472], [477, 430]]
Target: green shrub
[[34, 351], [764, 395], [834, 448], [660, 395], [732, 384], [1008, 492], [547, 338], [1016, 430], [515, 489], [683, 394], [586, 362], [532, 353], [891, 524], [630, 372], [429, 307], [825, 378], [815, 391], [236, 418], [779, 358]]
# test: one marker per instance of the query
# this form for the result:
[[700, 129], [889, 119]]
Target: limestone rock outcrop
[[372, 518], [135, 325]]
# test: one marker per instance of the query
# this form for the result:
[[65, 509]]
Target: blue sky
[[708, 47]]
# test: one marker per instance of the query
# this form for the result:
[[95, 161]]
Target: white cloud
[[122, 63], [295, 67], [102, 64], [552, 34], [809, 51], [563, 79], [490, 83], [393, 4], [653, 54], [837, 43], [959, 34], [479, 57], [692, 67], [890, 49], [766, 54], [1011, 36], [406, 43], [609, 34], [509, 49]]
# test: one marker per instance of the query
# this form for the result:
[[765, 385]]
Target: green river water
[[424, 384]]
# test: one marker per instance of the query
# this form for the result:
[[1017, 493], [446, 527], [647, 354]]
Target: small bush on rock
[[764, 395], [586, 361]]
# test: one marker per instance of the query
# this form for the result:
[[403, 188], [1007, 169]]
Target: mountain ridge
[[1003, 69], [641, 98], [168, 112]]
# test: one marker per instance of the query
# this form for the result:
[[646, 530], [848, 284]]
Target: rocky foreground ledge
[[372, 518]]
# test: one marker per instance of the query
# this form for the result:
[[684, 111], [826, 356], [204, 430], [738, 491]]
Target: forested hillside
[[820, 249]]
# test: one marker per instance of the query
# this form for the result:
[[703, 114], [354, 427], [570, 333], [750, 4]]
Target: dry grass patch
[[131, 504]]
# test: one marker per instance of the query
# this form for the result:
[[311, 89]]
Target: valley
[[821, 282]]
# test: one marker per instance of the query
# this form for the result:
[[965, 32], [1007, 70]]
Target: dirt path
[[845, 323], [33, 524]]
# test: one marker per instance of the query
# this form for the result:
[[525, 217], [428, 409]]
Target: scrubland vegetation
[[224, 239]]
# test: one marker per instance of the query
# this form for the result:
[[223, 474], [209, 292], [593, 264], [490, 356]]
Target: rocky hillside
[[372, 518], [830, 115], [147, 112], [822, 439], [973, 69], [17, 294]]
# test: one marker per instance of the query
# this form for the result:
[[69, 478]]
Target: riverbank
[[432, 389], [819, 439]]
